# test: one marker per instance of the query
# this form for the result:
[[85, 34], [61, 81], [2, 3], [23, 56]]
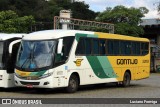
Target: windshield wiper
[[28, 58]]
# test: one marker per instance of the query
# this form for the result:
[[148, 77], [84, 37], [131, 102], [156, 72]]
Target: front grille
[[29, 83], [30, 78]]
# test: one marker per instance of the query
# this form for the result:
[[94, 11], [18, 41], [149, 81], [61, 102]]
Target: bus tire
[[72, 84], [126, 79]]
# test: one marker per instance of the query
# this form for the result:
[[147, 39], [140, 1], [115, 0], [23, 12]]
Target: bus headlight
[[17, 75], [46, 75]]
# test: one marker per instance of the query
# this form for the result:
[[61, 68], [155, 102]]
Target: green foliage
[[44, 11], [126, 20], [4, 4], [10, 22], [81, 10], [127, 29]]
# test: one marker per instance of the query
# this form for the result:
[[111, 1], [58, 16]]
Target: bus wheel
[[73, 84], [126, 79]]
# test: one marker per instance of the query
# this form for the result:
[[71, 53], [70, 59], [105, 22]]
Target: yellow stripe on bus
[[22, 73]]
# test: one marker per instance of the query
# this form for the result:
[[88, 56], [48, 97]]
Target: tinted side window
[[88, 46], [116, 47], [144, 48], [113, 47], [95, 48], [110, 46], [102, 47], [125, 47], [66, 48], [135, 48], [80, 47], [68, 41]]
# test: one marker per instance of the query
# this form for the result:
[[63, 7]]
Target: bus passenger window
[[113, 47], [144, 48], [67, 45], [116, 48], [80, 47], [1, 55], [12, 58], [95, 47], [88, 46], [135, 48], [110, 47], [102, 47], [125, 47]]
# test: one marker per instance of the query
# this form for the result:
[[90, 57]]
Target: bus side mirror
[[11, 45], [60, 45]]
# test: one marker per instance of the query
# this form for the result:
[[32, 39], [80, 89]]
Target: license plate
[[29, 86]]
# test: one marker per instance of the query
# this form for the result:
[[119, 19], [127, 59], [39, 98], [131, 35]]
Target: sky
[[100, 5]]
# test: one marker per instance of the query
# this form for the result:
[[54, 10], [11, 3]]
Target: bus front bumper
[[48, 82]]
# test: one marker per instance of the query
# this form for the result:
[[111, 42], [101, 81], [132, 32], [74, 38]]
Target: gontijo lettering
[[127, 61]]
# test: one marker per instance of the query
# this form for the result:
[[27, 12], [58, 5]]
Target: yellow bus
[[70, 58]]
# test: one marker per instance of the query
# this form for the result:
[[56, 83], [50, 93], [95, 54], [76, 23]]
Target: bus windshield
[[1, 54], [36, 54]]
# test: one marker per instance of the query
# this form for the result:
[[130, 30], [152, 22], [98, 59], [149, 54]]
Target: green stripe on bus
[[33, 74], [96, 66], [99, 64], [107, 67], [78, 35], [40, 73]]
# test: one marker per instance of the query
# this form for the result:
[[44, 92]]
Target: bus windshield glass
[[1, 54], [36, 54]]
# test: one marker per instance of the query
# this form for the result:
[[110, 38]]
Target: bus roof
[[120, 37], [54, 34], [5, 36]]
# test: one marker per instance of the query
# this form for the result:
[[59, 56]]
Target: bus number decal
[[127, 61], [145, 61]]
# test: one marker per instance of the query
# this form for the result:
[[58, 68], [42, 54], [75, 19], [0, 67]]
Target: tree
[[10, 22], [80, 10], [126, 20], [4, 4], [157, 6], [44, 11]]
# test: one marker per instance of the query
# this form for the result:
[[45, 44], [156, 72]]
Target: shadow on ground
[[45, 91]]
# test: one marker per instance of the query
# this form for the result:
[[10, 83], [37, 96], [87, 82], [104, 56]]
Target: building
[[152, 31]]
